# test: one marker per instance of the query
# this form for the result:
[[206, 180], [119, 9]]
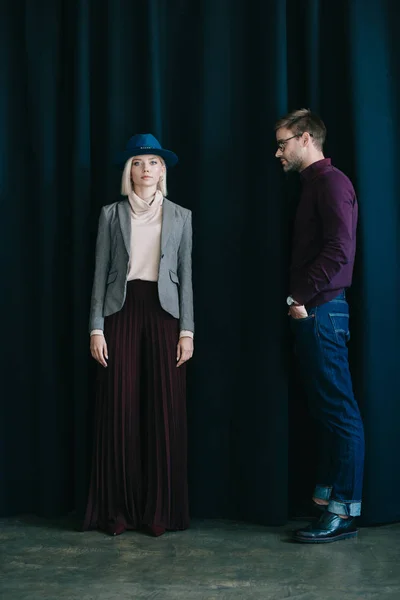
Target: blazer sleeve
[[102, 264], [186, 320]]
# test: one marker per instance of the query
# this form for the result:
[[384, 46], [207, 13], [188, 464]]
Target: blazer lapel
[[168, 220], [125, 224]]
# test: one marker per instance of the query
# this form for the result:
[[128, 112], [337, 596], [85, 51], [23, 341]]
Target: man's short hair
[[302, 120]]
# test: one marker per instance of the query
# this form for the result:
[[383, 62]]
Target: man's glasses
[[282, 143]]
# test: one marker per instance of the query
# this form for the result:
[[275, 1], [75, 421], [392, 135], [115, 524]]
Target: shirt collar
[[314, 169]]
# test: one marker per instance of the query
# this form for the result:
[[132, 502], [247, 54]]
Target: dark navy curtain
[[209, 79]]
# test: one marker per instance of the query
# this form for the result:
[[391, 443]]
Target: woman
[[141, 326]]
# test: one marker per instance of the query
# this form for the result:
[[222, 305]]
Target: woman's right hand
[[98, 348]]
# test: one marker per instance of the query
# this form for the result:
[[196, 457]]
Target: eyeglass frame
[[282, 143]]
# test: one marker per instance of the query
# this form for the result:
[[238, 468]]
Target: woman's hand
[[184, 350], [98, 348]]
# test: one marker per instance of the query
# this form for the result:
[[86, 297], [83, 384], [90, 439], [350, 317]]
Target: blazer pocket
[[174, 277], [112, 277]]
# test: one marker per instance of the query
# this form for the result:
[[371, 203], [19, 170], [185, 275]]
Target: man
[[324, 244]]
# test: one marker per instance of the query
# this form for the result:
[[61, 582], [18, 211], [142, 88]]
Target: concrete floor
[[213, 560]]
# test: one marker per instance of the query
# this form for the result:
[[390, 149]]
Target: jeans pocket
[[340, 324], [303, 319]]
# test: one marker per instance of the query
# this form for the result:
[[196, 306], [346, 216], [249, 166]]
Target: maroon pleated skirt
[[139, 468]]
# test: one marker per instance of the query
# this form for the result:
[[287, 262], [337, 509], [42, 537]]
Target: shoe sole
[[327, 540]]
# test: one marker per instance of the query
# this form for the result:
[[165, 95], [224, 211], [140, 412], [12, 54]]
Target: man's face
[[290, 150]]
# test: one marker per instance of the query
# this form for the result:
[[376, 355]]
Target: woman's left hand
[[184, 350]]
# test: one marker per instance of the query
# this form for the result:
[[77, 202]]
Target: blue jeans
[[321, 349]]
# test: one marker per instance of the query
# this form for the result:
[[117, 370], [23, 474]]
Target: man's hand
[[184, 350], [298, 312]]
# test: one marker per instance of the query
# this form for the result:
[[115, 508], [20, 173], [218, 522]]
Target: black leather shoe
[[328, 528]]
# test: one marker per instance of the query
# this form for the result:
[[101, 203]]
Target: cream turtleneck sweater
[[146, 223]]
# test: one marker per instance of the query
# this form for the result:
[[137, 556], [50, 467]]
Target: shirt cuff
[[96, 332], [185, 333]]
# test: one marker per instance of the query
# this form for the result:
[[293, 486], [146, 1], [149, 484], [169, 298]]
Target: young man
[[324, 246]]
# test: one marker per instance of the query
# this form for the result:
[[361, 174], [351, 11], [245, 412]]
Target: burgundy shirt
[[324, 238]]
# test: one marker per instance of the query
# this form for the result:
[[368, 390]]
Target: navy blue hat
[[145, 143]]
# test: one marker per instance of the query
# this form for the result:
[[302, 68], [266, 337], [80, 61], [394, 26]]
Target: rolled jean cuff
[[348, 509], [322, 492]]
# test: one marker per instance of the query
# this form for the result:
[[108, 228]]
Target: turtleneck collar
[[143, 208], [315, 169]]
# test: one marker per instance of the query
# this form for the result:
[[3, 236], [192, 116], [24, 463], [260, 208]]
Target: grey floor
[[212, 560]]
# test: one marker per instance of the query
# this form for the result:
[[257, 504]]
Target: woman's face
[[146, 170]]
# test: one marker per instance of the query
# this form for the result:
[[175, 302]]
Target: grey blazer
[[112, 260]]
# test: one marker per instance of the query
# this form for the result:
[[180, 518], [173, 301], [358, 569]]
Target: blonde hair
[[126, 180]]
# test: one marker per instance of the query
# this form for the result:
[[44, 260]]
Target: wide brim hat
[[145, 143]]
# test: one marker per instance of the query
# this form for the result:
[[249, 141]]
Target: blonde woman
[[141, 334]]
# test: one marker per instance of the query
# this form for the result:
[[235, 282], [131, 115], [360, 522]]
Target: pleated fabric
[[139, 467]]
